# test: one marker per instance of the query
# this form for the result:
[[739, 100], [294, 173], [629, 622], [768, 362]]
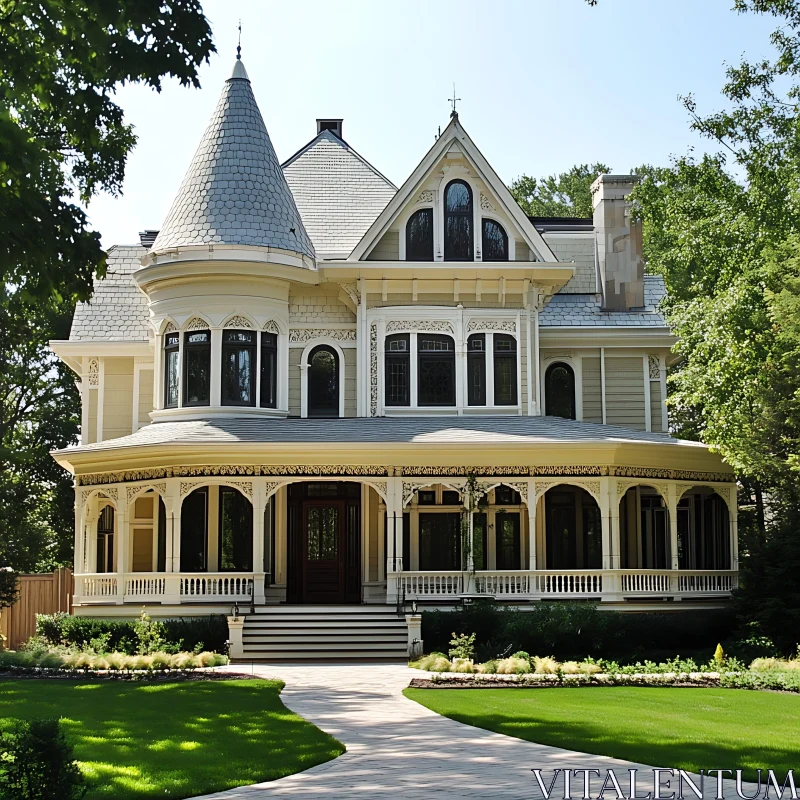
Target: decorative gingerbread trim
[[239, 322], [373, 370], [507, 325], [301, 335], [271, 326], [429, 325], [94, 371]]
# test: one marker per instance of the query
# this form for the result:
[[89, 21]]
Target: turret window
[[419, 236], [494, 241], [269, 370], [458, 222], [171, 370], [197, 368], [238, 368]]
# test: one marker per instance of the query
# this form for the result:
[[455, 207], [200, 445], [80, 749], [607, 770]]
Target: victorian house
[[313, 399]]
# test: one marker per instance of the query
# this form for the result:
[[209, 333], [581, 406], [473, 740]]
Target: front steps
[[325, 633]]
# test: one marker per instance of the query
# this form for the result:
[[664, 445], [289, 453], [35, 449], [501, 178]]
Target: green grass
[[660, 727], [172, 740]]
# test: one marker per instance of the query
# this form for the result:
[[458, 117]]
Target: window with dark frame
[[479, 542], [323, 382], [269, 370], [508, 542], [419, 236], [105, 540], [426, 497], [440, 541], [505, 370], [476, 369], [194, 531], [397, 365], [172, 367], [436, 370], [458, 222], [238, 368], [559, 391], [235, 530], [506, 496], [494, 241], [197, 368], [451, 498]]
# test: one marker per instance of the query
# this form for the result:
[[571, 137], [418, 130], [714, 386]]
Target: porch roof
[[430, 430]]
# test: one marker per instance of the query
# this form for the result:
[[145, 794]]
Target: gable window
[[458, 222], [171, 369], [419, 236], [559, 391], [436, 368], [398, 370], [197, 368], [505, 370], [238, 368], [476, 369], [494, 241], [269, 370], [323, 382]]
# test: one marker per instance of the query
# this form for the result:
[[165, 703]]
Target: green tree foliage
[[564, 195]]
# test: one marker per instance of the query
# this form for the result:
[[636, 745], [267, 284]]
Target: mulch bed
[[466, 683], [122, 675]]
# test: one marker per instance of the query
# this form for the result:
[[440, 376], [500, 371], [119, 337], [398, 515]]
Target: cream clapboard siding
[[295, 400], [90, 436], [521, 251], [117, 397], [387, 249], [625, 392], [295, 354], [655, 406], [350, 381], [145, 396], [592, 396]]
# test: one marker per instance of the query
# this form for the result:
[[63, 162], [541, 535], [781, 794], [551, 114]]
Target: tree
[[62, 136], [564, 195]]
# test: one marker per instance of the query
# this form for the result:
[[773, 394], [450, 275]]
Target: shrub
[[513, 666], [462, 645], [462, 666], [521, 654], [545, 665], [571, 668], [9, 591], [36, 763]]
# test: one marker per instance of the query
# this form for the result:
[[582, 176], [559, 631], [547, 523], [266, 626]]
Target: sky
[[544, 85]]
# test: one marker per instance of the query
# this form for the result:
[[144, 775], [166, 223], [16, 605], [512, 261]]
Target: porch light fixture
[[414, 608], [235, 612]]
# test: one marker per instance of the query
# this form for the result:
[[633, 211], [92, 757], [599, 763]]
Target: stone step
[[304, 638], [323, 623]]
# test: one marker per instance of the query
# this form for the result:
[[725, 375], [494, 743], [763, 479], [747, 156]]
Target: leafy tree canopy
[[564, 195]]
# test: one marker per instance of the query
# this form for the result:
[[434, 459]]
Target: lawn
[[661, 727], [172, 740]]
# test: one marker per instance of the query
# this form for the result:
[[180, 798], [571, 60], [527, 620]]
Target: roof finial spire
[[239, 45], [453, 100]]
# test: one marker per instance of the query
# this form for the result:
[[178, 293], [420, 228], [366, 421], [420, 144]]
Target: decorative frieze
[[238, 322], [197, 324], [429, 325], [486, 204], [373, 370], [171, 328], [425, 197], [654, 367], [271, 326], [245, 487], [508, 325], [302, 335], [94, 372]]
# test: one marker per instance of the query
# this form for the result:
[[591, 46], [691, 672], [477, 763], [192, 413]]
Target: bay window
[[197, 368], [238, 368], [436, 370], [476, 369], [171, 369], [505, 370], [398, 370], [269, 370]]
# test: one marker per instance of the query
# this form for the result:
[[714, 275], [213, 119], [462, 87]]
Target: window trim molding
[[334, 345]]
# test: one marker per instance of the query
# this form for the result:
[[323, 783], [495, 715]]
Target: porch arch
[[572, 526]]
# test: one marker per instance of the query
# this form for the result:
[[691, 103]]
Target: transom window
[[494, 241], [559, 391], [458, 222], [398, 370], [238, 368], [419, 236], [197, 368], [436, 369]]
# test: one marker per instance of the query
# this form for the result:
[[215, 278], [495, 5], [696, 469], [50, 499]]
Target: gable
[[454, 156]]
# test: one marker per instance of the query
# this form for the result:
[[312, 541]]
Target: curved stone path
[[399, 749]]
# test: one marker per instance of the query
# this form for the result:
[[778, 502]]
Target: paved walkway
[[398, 749]]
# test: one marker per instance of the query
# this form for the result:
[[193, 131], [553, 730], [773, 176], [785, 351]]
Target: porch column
[[172, 592], [394, 520], [90, 518], [79, 559], [609, 523], [531, 524], [123, 544], [259, 504], [733, 515], [672, 512]]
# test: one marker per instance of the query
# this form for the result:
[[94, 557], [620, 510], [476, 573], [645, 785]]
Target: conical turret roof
[[234, 192]]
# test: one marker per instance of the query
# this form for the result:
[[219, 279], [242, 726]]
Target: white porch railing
[[165, 587], [577, 584]]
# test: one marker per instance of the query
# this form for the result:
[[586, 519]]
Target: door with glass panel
[[323, 551]]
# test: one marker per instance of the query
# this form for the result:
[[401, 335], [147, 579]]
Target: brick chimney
[[619, 243]]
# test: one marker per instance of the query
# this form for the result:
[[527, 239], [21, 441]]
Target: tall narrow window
[[269, 370], [323, 382], [494, 241], [197, 368], [171, 369], [476, 369], [238, 368], [458, 222], [419, 236], [398, 369], [507, 532], [105, 540], [235, 530], [194, 531], [436, 371], [505, 370], [559, 391]]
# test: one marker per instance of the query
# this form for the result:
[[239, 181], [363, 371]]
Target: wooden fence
[[38, 594]]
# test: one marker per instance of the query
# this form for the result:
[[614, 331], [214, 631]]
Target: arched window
[[476, 369], [238, 368], [559, 391], [505, 370], [235, 530], [323, 382], [269, 370], [398, 370], [171, 369], [419, 236], [494, 241], [197, 368], [105, 540], [436, 370], [458, 222]]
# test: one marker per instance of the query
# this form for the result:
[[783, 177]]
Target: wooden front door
[[324, 547]]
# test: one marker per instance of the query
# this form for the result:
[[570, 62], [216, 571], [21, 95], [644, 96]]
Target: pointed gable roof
[[338, 192], [234, 192], [453, 133]]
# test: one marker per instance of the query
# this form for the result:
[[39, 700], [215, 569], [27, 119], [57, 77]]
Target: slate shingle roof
[[577, 310], [234, 191], [417, 430], [339, 194], [117, 310]]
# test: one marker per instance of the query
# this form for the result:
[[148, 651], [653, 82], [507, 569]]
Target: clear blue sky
[[545, 84]]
